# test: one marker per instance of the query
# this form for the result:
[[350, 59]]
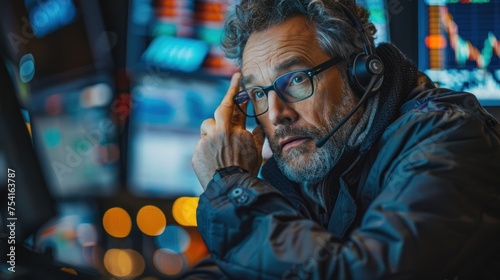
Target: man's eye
[[259, 94], [298, 79]]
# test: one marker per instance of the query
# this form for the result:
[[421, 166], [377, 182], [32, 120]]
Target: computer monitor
[[61, 62], [76, 138], [36, 38], [164, 130], [459, 47]]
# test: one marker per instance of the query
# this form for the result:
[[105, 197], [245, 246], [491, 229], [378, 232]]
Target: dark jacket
[[419, 199]]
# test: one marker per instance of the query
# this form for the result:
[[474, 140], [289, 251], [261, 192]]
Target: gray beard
[[301, 164]]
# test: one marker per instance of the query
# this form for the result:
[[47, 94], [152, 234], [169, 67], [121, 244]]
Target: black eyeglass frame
[[310, 73]]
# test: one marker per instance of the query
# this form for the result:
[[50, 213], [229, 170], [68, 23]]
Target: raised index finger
[[227, 114]]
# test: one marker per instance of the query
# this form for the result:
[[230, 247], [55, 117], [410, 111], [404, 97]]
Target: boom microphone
[[365, 96]]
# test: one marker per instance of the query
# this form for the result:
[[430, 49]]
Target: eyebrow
[[278, 68]]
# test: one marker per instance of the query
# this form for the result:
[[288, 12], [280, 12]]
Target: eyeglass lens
[[290, 87]]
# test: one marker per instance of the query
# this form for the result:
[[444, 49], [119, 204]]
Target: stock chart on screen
[[460, 46]]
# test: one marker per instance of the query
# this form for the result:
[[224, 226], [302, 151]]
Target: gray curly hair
[[334, 30]]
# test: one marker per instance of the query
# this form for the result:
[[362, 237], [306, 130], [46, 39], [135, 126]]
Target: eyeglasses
[[291, 87]]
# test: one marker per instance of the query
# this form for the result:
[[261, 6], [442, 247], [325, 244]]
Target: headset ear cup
[[357, 73], [362, 69]]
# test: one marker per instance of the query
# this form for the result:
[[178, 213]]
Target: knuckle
[[205, 123]]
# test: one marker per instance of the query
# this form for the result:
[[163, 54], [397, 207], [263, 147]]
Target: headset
[[366, 73], [364, 65]]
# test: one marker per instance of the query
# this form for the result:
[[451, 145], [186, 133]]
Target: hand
[[225, 140]]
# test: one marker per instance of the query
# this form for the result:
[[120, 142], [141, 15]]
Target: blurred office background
[[112, 94]]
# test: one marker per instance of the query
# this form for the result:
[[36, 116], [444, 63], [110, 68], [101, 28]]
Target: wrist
[[226, 171]]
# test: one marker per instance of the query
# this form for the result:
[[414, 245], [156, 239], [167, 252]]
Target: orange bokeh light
[[117, 222], [124, 262], [151, 220], [184, 210]]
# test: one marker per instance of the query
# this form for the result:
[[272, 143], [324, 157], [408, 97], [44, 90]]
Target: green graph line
[[464, 50]]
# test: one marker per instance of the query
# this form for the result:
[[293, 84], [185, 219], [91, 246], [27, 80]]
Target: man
[[407, 187]]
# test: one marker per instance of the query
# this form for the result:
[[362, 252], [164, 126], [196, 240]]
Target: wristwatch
[[226, 171]]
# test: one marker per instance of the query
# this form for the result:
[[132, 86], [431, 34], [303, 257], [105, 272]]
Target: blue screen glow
[[50, 15]]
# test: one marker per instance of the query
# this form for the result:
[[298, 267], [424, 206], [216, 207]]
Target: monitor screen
[[459, 48], [180, 36], [164, 128], [50, 41], [61, 62], [75, 137]]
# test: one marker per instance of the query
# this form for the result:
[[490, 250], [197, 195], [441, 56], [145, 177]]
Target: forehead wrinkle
[[256, 54], [289, 63], [280, 60], [277, 52]]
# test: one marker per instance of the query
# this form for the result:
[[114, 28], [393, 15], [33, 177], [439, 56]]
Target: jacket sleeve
[[436, 203]]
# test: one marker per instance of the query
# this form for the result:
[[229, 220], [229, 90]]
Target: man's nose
[[279, 110]]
